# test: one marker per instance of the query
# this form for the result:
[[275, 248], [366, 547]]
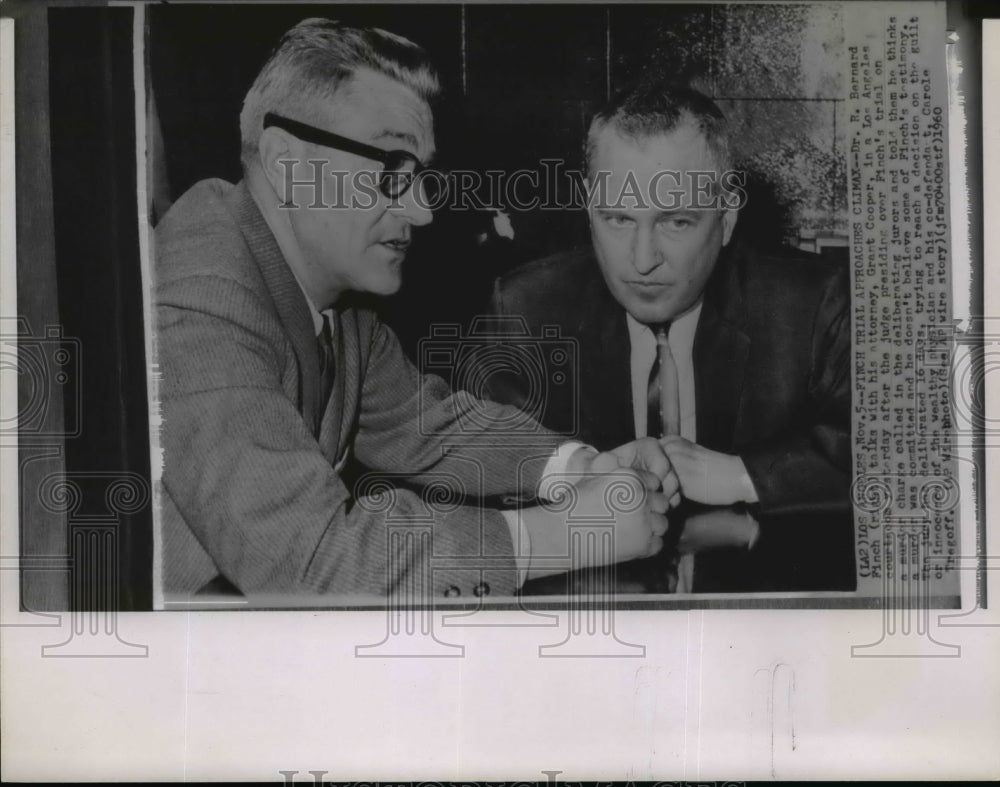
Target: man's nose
[[645, 255], [414, 207]]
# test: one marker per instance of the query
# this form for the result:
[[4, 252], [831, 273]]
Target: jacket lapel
[[289, 301], [605, 366], [721, 349], [335, 428]]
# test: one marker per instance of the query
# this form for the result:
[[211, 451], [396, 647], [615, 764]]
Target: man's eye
[[617, 221], [676, 223]]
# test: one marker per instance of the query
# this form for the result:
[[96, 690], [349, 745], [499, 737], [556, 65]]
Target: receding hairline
[[317, 63], [687, 122]]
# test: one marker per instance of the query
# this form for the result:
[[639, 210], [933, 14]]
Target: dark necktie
[[663, 412], [327, 362]]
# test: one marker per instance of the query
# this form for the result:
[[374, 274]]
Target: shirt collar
[[682, 329]]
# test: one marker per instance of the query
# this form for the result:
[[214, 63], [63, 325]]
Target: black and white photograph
[[347, 344], [360, 468]]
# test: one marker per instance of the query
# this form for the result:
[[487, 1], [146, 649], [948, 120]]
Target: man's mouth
[[397, 244], [648, 285]]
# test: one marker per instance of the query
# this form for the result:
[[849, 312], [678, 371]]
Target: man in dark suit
[[275, 370], [738, 361]]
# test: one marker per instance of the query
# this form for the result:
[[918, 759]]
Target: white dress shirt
[[643, 354], [681, 340]]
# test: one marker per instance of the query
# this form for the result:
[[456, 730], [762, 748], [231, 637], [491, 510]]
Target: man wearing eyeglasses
[[274, 368]]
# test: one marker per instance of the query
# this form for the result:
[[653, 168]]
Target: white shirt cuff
[[556, 467], [554, 471], [522, 544], [749, 491], [754, 530]]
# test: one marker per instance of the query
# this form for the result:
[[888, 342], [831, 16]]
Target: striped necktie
[[327, 362], [662, 397]]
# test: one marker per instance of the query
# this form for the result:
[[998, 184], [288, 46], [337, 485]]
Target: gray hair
[[653, 107], [317, 57]]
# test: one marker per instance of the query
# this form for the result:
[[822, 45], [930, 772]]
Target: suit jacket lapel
[[605, 368], [337, 420], [721, 349], [288, 300]]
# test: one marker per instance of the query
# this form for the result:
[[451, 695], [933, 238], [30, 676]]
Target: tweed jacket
[[251, 486]]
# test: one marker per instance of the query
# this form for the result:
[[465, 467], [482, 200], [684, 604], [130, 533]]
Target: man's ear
[[275, 146], [729, 216]]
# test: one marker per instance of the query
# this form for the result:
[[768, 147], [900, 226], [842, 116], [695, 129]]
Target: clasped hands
[[657, 474], [634, 485]]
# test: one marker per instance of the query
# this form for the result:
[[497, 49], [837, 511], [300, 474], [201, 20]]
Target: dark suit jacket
[[771, 360], [772, 364], [251, 484]]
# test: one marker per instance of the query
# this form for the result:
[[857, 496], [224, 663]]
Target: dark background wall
[[521, 84]]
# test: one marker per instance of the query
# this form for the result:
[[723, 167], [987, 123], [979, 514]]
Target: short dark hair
[[651, 107], [313, 60]]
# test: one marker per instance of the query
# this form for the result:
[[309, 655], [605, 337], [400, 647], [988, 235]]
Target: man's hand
[[645, 456], [717, 528], [708, 476], [638, 521]]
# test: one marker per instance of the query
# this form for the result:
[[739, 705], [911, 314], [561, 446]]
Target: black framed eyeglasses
[[400, 167]]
